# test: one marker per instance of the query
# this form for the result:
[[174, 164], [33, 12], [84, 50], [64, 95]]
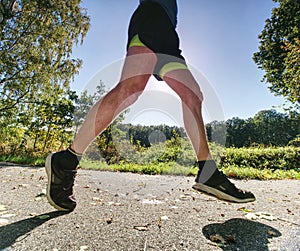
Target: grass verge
[[24, 160], [171, 168]]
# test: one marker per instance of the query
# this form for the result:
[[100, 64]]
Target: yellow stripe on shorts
[[171, 67], [135, 41]]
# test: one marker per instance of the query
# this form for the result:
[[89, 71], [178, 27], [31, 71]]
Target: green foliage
[[170, 168], [239, 163], [85, 101], [279, 48], [295, 142], [283, 158], [27, 160], [260, 174], [267, 127], [38, 127], [36, 42]]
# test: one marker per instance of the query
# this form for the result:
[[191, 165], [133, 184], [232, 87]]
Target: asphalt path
[[125, 211]]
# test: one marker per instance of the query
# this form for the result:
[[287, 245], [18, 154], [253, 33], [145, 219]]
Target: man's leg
[[137, 69], [186, 87], [209, 179], [61, 166]]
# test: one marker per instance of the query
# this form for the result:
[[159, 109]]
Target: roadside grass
[[173, 168], [24, 160], [170, 168], [260, 174]]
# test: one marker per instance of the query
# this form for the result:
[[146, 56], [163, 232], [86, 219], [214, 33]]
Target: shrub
[[283, 158]]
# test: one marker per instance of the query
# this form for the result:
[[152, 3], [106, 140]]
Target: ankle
[[78, 155], [206, 169], [67, 159], [207, 164]]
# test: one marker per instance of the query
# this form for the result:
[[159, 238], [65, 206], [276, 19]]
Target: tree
[[85, 101], [279, 50], [239, 132], [36, 42]]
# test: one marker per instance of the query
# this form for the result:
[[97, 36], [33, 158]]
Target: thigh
[[184, 84], [140, 61]]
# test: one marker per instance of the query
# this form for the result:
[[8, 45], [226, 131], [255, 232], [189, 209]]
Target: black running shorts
[[151, 26]]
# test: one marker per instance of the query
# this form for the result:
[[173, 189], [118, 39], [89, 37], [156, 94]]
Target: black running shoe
[[214, 182], [60, 183]]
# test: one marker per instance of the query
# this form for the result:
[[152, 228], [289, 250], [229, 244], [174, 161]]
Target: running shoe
[[213, 182], [60, 182]]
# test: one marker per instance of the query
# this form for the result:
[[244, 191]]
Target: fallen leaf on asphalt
[[186, 196], [272, 233], [251, 216], [260, 215], [23, 185], [83, 248], [3, 222], [97, 199], [2, 208], [146, 201], [245, 210], [44, 217], [3, 212], [7, 215], [111, 203], [42, 193], [141, 228], [164, 218], [142, 184], [217, 238], [109, 220], [230, 239]]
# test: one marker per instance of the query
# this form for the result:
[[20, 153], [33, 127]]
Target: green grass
[[260, 174], [174, 168], [171, 168], [24, 160]]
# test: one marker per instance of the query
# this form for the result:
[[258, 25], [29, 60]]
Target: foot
[[60, 184], [213, 182]]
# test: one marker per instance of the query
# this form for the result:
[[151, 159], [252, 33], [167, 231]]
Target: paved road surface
[[124, 211]]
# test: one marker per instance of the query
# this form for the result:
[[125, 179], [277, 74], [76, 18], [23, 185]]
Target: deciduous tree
[[279, 50]]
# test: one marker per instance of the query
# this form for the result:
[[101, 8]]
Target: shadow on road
[[240, 234], [10, 233]]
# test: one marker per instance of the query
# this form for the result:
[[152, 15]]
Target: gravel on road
[[125, 211]]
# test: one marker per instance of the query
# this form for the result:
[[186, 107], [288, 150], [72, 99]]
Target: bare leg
[[184, 84], [137, 69], [209, 179]]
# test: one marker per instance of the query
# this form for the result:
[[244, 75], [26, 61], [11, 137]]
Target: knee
[[192, 99]]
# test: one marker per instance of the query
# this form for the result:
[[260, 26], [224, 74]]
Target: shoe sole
[[49, 174], [219, 194]]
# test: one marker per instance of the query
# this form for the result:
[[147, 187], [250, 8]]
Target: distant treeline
[[267, 128]]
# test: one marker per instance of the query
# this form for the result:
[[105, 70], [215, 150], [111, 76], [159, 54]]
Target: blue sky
[[218, 39]]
